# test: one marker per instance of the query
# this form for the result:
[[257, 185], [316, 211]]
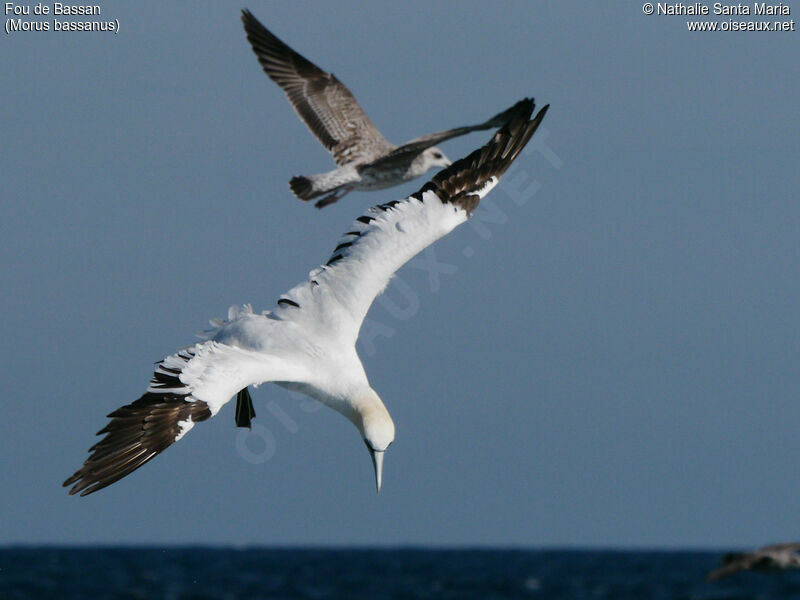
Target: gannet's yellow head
[[377, 429]]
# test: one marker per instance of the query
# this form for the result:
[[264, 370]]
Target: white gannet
[[769, 559], [308, 341], [366, 160]]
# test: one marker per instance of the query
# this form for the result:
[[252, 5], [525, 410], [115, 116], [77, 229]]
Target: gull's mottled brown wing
[[323, 102]]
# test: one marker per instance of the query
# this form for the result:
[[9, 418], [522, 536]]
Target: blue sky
[[605, 356]]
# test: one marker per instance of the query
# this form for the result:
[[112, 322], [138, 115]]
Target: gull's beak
[[377, 462]]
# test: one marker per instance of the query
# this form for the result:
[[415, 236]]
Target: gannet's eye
[[437, 155]]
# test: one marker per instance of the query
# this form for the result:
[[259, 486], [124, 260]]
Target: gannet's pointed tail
[[468, 180], [244, 408]]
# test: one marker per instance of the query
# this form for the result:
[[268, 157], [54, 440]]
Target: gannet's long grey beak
[[377, 462]]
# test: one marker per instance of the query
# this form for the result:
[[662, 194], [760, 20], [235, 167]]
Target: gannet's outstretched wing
[[379, 242], [186, 387], [323, 102]]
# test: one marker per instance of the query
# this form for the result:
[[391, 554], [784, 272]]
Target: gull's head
[[377, 429], [433, 157]]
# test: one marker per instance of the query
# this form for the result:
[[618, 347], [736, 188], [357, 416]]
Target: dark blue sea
[[259, 573]]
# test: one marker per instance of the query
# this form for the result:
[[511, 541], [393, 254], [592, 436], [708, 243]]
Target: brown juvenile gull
[[769, 559], [366, 160], [307, 342]]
